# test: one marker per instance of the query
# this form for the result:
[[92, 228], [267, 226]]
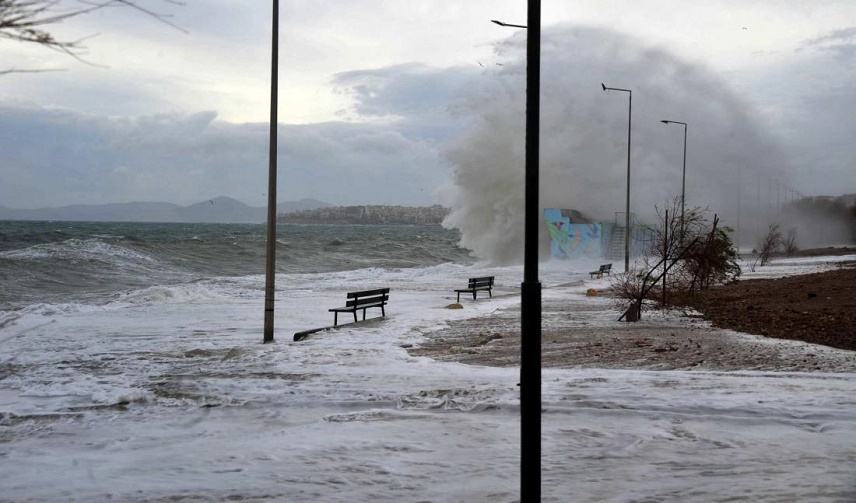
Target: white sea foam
[[81, 249], [168, 391]]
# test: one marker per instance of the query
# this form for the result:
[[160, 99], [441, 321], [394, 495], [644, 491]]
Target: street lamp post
[[684, 176], [530, 289], [627, 206], [270, 245]]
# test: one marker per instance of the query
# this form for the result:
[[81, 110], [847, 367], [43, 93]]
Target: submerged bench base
[[305, 334]]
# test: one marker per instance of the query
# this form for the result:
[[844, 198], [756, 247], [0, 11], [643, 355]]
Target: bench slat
[[363, 301], [367, 293], [349, 309]]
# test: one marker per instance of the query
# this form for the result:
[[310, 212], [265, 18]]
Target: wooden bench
[[362, 300], [604, 269], [476, 284]]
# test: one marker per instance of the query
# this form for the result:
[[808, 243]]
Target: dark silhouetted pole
[[627, 206], [530, 289], [684, 176], [665, 254], [530, 341], [270, 245]]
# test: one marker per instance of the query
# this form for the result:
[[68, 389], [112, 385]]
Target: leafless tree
[[790, 243], [694, 259], [30, 21], [770, 245]]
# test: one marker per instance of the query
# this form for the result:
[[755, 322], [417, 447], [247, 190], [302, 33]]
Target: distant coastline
[[221, 210], [368, 215]]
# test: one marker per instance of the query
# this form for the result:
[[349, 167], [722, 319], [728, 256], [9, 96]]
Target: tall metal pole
[[739, 203], [530, 289], [760, 206], [270, 245], [684, 175], [665, 253], [627, 206], [778, 197], [530, 303], [684, 183]]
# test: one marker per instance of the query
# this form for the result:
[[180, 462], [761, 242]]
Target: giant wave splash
[[584, 138]]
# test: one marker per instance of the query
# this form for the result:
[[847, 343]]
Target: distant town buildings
[[368, 215]]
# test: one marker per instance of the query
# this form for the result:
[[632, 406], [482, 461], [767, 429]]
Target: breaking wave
[[584, 138]]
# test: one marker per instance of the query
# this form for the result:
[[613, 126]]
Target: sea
[[132, 369], [95, 263]]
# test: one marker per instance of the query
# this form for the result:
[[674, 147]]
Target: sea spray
[[584, 139]]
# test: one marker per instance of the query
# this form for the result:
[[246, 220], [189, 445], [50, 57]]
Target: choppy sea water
[[68, 261], [131, 369]]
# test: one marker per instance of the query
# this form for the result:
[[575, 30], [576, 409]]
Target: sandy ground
[[583, 332]]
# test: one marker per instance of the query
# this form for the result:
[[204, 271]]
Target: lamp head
[[665, 122], [603, 86]]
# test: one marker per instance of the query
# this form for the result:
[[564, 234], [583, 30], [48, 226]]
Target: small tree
[[712, 261], [769, 246], [693, 260], [790, 243]]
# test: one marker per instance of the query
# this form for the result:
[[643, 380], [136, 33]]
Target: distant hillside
[[369, 215], [218, 210]]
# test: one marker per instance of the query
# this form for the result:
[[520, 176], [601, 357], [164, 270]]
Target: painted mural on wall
[[569, 239]]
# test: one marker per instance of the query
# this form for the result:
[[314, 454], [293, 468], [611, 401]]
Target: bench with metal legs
[[474, 285], [362, 301]]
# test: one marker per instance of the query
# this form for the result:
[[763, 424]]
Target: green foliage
[[712, 261]]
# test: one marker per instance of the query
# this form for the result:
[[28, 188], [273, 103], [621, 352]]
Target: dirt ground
[[583, 332], [817, 308]]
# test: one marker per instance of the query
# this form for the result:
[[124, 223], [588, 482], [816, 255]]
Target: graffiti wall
[[570, 239]]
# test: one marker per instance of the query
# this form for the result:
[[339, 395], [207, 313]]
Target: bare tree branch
[[28, 21], [30, 70]]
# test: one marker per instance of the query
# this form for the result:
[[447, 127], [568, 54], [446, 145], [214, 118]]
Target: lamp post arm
[[508, 25]]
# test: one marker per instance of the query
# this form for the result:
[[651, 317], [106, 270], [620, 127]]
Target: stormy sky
[[377, 96]]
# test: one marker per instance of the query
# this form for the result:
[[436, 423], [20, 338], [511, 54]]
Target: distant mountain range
[[218, 210]]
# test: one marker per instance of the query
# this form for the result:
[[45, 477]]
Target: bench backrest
[[605, 267], [483, 282], [357, 299]]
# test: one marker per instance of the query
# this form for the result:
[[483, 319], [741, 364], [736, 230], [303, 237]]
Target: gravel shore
[[580, 332]]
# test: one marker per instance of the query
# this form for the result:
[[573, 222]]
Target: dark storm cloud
[[54, 157], [404, 90], [422, 99]]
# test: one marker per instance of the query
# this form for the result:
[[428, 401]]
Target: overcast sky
[[371, 93]]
